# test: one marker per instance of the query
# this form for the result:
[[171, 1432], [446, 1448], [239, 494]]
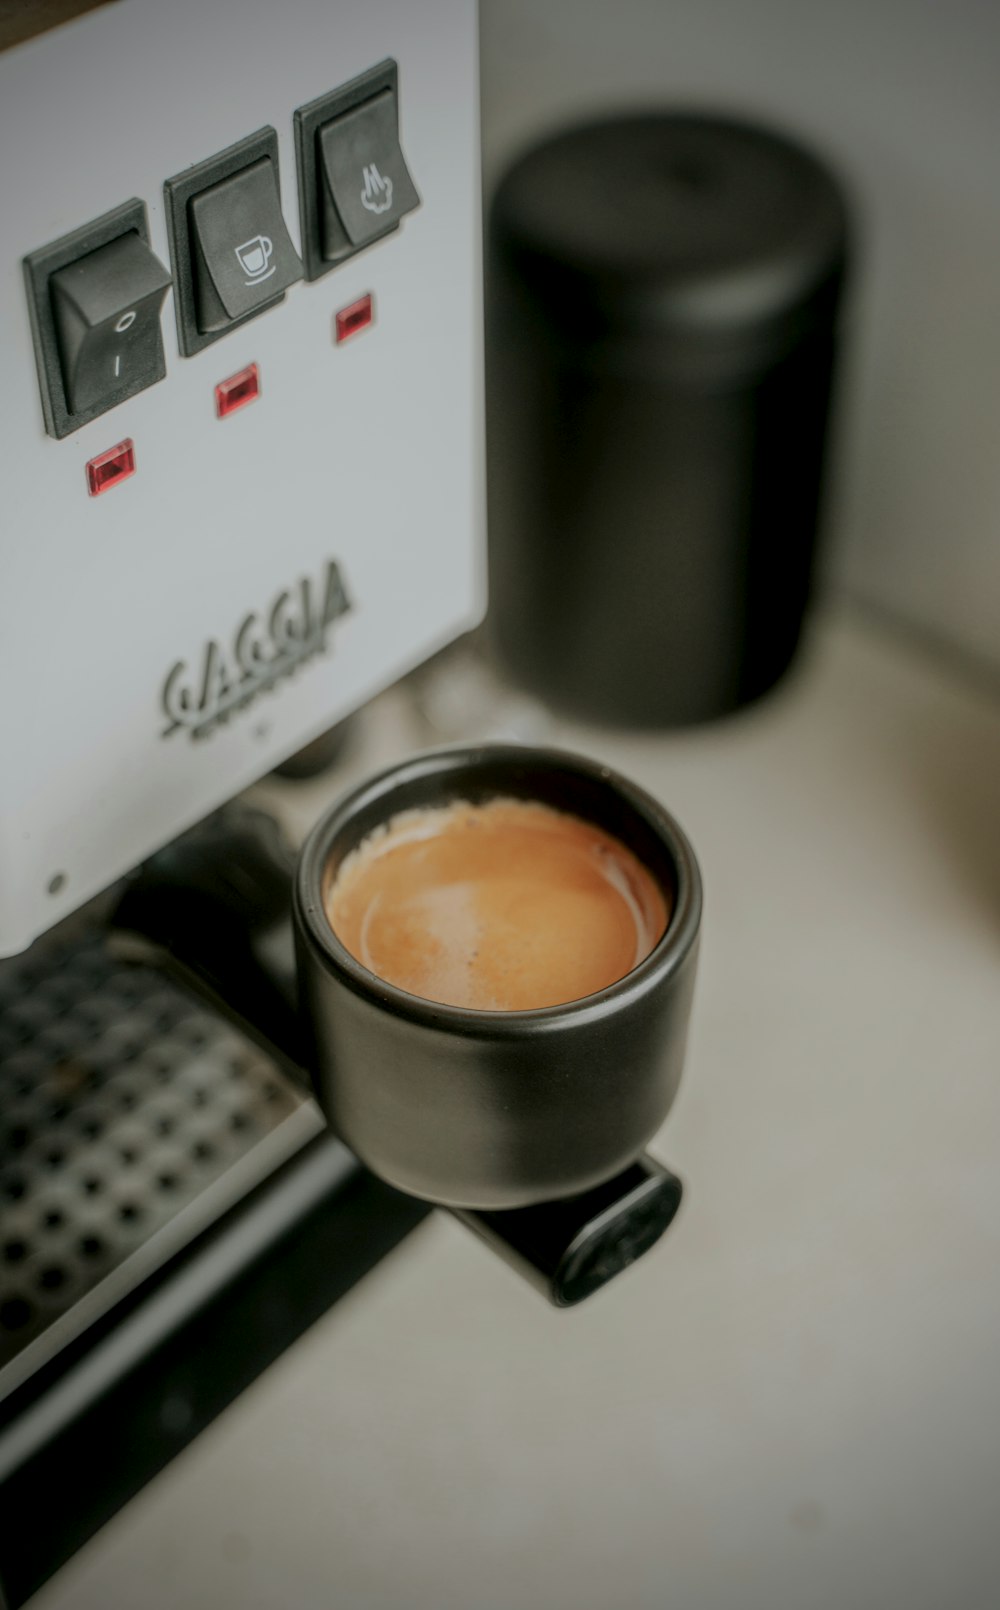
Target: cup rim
[[664, 959]]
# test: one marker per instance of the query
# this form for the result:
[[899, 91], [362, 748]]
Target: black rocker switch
[[94, 300], [243, 254], [367, 187], [354, 185], [231, 252], [106, 308]]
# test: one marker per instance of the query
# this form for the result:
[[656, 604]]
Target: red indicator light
[[117, 464], [237, 391], [354, 318]]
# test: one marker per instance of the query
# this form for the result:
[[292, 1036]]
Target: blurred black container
[[662, 298]]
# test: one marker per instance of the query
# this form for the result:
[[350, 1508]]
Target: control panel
[[285, 217], [95, 310]]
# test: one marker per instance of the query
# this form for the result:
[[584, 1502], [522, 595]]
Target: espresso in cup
[[503, 906], [554, 907]]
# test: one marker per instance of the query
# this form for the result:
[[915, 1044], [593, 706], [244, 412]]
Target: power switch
[[106, 308], [94, 299], [367, 187], [243, 254]]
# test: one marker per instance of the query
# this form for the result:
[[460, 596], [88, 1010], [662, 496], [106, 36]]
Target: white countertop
[[793, 1402]]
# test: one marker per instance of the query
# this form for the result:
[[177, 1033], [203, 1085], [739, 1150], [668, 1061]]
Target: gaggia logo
[[266, 646]]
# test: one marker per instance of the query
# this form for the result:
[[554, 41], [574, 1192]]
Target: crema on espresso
[[503, 907]]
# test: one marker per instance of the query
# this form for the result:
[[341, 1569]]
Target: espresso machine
[[242, 467]]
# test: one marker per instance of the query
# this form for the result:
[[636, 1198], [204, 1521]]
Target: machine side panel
[[260, 575]]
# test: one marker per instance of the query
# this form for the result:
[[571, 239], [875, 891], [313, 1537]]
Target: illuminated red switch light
[[356, 316], [117, 464], [237, 391]]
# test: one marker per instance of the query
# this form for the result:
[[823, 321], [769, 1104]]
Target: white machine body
[[259, 575]]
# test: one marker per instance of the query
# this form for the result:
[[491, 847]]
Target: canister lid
[[703, 233]]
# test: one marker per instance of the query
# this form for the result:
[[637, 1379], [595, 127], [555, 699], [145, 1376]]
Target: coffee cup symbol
[[253, 257]]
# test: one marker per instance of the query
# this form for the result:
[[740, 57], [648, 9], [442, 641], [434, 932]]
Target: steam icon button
[[365, 185], [376, 192]]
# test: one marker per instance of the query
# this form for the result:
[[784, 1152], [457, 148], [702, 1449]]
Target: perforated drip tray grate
[[131, 1116]]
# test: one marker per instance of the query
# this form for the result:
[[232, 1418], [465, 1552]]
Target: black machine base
[[172, 1217], [86, 1435]]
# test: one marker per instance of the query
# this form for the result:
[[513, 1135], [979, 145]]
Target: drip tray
[[131, 1118]]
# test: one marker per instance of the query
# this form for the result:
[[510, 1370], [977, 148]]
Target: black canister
[[662, 301]]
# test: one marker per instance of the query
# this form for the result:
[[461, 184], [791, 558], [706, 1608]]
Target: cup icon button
[[254, 256]]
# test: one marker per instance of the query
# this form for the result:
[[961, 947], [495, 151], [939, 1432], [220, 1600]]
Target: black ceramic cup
[[485, 1109]]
